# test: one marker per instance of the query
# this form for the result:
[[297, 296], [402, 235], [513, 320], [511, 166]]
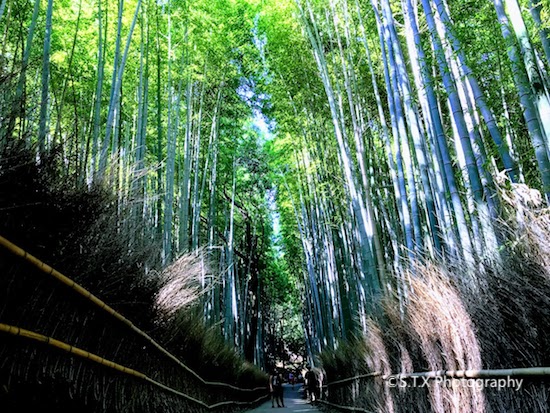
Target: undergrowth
[[500, 321], [93, 237]]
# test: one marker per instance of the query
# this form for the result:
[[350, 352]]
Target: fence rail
[[94, 358], [475, 374], [52, 342], [50, 271], [435, 374], [45, 268], [464, 374]]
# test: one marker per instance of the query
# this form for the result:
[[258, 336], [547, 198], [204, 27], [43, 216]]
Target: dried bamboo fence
[[403, 380], [152, 375]]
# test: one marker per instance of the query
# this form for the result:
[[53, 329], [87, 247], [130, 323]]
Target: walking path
[[294, 402]]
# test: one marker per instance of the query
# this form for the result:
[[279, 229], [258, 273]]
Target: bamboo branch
[[239, 253]]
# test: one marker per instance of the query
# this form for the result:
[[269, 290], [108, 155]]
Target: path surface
[[294, 402]]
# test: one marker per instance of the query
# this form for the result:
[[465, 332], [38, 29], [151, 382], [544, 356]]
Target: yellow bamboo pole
[[45, 268], [360, 376], [468, 374], [476, 374], [50, 341]]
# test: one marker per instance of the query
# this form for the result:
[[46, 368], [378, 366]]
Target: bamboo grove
[[392, 126], [403, 119], [153, 99]]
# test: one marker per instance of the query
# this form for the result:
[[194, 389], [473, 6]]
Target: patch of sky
[[248, 92], [256, 101], [276, 238]]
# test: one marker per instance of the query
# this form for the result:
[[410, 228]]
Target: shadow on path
[[294, 402]]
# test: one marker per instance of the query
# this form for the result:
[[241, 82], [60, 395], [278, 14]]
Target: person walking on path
[[294, 403], [276, 389], [312, 385]]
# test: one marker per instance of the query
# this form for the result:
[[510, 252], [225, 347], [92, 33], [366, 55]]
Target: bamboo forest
[[301, 205]]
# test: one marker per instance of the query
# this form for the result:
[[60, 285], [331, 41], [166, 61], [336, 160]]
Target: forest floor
[[294, 402]]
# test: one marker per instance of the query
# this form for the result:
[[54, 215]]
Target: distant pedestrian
[[276, 389], [291, 379]]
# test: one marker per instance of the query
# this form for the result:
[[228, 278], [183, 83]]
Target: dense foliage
[[317, 150]]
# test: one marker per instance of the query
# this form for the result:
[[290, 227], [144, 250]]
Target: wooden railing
[[104, 307]]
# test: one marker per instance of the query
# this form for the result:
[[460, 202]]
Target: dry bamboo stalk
[[50, 341], [14, 249]]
